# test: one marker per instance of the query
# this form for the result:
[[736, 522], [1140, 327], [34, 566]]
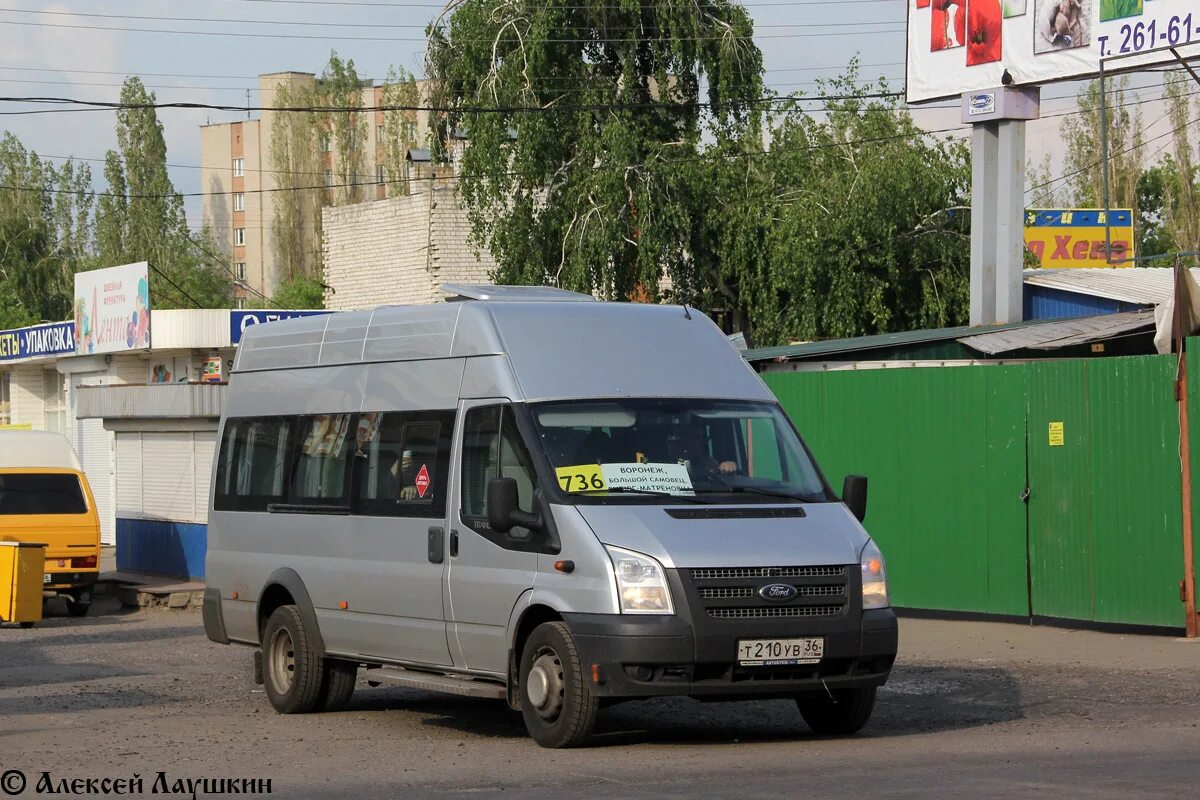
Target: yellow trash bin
[[22, 566]]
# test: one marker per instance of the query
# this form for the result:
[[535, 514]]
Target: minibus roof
[[36, 450], [556, 349]]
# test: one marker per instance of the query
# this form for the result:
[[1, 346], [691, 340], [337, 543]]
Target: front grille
[[725, 573], [775, 611], [730, 592]]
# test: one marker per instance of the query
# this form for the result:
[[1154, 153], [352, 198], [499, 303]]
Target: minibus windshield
[[744, 451], [40, 493]]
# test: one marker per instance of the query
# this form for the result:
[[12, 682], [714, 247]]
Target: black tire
[[562, 709], [338, 684], [76, 608], [292, 671], [841, 715]]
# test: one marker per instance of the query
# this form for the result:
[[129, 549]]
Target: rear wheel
[[78, 603], [292, 670], [557, 703], [840, 715], [338, 684]]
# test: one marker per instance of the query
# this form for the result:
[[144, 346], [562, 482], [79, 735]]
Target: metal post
[[1192, 622], [984, 160], [998, 200], [1010, 222]]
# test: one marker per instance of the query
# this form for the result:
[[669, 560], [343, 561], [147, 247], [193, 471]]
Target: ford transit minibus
[[532, 496]]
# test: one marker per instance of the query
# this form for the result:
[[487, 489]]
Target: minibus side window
[[492, 447], [253, 460], [321, 475], [399, 459]]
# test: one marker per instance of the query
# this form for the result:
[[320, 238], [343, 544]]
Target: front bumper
[[649, 656]]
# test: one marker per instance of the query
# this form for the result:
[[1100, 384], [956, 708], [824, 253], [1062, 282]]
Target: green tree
[[1182, 217], [399, 128], [44, 233], [296, 174], [1085, 161], [144, 219], [600, 189], [299, 292], [854, 222]]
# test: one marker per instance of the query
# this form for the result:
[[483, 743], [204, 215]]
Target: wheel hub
[[545, 686], [282, 661]]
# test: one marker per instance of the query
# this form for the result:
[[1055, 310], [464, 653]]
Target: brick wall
[[399, 251]]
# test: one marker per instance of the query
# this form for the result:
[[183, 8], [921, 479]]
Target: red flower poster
[[949, 24], [985, 27]]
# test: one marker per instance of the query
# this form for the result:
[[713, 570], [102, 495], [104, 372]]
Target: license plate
[[780, 652], [45, 577]]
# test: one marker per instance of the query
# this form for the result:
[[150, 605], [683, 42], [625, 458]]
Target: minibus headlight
[[641, 583], [874, 577]]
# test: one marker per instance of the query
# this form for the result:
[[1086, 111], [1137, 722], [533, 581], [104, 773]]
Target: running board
[[449, 684]]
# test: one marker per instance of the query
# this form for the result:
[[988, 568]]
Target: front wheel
[[841, 714], [293, 671], [557, 703]]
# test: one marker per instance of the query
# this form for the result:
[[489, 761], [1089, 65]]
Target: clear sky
[[62, 52]]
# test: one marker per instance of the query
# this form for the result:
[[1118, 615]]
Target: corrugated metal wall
[[947, 452], [945, 479]]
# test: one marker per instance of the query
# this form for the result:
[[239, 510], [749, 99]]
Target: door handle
[[453, 543], [437, 544]]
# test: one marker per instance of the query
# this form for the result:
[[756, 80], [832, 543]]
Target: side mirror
[[854, 495], [503, 508]]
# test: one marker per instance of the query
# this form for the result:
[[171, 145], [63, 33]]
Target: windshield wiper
[[687, 498], [798, 498]]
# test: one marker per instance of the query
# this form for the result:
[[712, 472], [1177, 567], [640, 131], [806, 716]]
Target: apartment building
[[242, 190]]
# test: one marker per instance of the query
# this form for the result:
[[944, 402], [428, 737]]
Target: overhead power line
[[418, 39], [408, 26]]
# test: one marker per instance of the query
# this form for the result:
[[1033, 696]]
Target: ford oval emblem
[[777, 592]]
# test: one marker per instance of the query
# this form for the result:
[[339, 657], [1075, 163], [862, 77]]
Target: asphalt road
[[977, 710]]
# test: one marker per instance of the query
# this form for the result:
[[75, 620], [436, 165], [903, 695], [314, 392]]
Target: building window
[[239, 270], [239, 201], [326, 142], [328, 178], [379, 173], [379, 133], [5, 400], [54, 401], [239, 167], [239, 302], [239, 236]]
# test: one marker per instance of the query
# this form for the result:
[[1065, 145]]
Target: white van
[[538, 498]]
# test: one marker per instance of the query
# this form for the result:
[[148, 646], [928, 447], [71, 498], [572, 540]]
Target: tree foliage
[[299, 292], [53, 225], [44, 233], [652, 169], [595, 190]]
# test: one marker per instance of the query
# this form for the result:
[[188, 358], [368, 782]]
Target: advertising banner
[[240, 320], [1075, 237], [112, 309], [961, 46], [54, 339]]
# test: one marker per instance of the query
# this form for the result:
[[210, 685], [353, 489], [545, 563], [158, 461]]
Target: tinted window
[[41, 494], [399, 463], [321, 475], [253, 464], [492, 448]]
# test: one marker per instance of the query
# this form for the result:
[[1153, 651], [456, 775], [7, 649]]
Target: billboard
[[1075, 237], [53, 339], [112, 309], [961, 46]]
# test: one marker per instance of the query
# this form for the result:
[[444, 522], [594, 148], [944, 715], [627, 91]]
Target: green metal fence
[[950, 451]]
